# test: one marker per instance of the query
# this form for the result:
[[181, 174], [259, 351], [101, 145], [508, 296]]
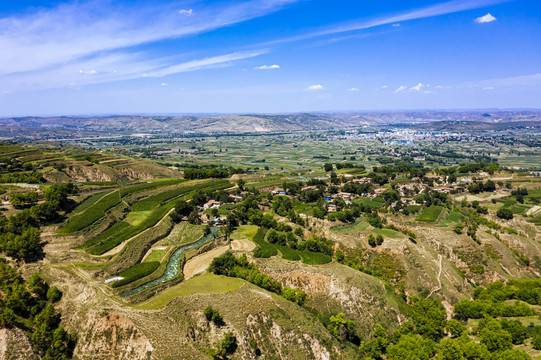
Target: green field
[[203, 284], [430, 214], [135, 218], [265, 250], [288, 253], [313, 258], [156, 255], [245, 232], [359, 225], [387, 232]]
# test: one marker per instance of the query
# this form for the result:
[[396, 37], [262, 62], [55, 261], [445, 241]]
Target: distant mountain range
[[265, 123]]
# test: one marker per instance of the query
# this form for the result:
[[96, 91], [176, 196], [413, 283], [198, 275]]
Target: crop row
[[119, 233], [99, 208], [137, 271], [89, 201], [151, 202], [265, 250]]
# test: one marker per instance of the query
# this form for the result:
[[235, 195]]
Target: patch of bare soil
[[242, 245], [114, 336], [200, 263], [14, 345]]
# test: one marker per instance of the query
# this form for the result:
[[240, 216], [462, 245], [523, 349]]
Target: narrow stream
[[172, 269]]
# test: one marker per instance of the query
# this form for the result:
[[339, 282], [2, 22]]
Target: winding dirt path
[[439, 279]]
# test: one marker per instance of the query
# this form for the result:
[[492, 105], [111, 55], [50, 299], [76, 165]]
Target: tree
[[429, 317], [24, 200], [194, 217], [54, 294], [241, 184], [227, 347], [379, 239], [26, 246], [214, 316], [504, 214], [494, 337], [455, 328], [412, 346], [536, 341], [36, 285], [341, 328], [372, 240], [328, 167]]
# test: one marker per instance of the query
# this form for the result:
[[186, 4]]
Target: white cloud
[[400, 88], [439, 86], [164, 84], [417, 87], [188, 12], [353, 89], [485, 19], [396, 25], [82, 35], [314, 87], [267, 67], [488, 88]]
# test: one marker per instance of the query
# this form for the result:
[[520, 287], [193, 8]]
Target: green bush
[[504, 214], [136, 272]]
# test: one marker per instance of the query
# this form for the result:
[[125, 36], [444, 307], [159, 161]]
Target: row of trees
[[229, 265]]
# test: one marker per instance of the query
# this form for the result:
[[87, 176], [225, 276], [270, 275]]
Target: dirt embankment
[[15, 345], [112, 336]]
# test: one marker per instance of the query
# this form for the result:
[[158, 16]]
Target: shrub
[[504, 214], [214, 316], [54, 294]]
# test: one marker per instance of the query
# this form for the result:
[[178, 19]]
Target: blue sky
[[267, 56]]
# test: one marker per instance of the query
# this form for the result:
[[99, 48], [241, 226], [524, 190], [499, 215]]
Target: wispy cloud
[[485, 19], [314, 87], [401, 88], [396, 25], [222, 60], [115, 67], [514, 81], [92, 32], [353, 89], [444, 8], [267, 67]]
